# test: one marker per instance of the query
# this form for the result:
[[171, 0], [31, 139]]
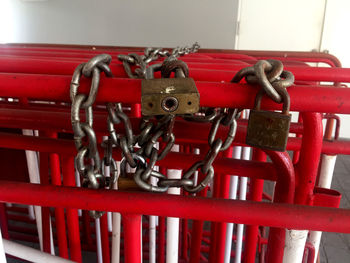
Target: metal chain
[[151, 132], [87, 160], [270, 76], [144, 70], [140, 151]]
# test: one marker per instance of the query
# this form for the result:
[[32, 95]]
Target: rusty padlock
[[268, 129], [167, 95]]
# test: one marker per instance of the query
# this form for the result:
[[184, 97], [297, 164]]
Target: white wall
[[280, 24], [336, 39], [264, 25], [120, 22]]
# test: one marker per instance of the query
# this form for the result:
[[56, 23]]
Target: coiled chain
[[156, 137], [87, 160]]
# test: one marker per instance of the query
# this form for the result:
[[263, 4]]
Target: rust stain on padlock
[[268, 130], [169, 96]]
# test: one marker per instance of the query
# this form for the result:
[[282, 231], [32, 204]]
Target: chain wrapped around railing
[[156, 137], [87, 160]]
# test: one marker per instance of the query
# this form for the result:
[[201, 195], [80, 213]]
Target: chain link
[[87, 160], [156, 137]]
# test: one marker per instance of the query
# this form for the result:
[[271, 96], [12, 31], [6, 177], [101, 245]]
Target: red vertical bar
[[87, 228], [296, 154], [72, 214], [284, 193], [187, 149], [213, 252], [59, 212], [132, 238], [197, 232], [255, 194], [135, 110], [45, 211], [310, 151], [105, 239], [220, 239], [197, 227], [3, 221]]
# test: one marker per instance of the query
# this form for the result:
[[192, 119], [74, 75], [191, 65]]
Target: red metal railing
[[34, 72]]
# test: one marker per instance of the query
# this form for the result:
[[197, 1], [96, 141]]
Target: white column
[[172, 244], [152, 231], [325, 181], [232, 195], [34, 178], [242, 196], [294, 246], [31, 212], [98, 240], [116, 222], [2, 251], [30, 254]]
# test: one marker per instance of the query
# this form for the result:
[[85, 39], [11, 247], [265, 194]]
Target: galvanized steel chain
[[87, 161], [156, 137], [144, 70], [151, 132], [269, 74]]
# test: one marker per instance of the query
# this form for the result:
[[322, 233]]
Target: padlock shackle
[[284, 94]]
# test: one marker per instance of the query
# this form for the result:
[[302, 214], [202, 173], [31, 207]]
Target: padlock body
[[169, 96], [268, 130]]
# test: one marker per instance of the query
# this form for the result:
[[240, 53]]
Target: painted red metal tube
[[132, 238], [307, 167], [197, 226], [255, 194], [105, 239], [196, 236], [220, 239], [211, 209], [55, 88], [72, 214], [54, 52], [328, 58], [184, 233], [216, 70], [87, 229], [217, 52], [42, 119], [4, 222], [214, 231], [284, 193], [59, 212], [243, 168], [174, 160]]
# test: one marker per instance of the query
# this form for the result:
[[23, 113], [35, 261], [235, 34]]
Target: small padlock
[[267, 129], [169, 96]]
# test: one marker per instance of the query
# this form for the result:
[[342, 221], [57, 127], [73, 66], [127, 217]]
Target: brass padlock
[[169, 96], [267, 129]]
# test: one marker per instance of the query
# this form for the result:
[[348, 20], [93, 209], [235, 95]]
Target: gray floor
[[336, 247]]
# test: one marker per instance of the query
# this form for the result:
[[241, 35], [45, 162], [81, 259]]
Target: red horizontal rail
[[56, 88], [198, 132], [174, 160], [226, 52], [198, 71], [211, 209]]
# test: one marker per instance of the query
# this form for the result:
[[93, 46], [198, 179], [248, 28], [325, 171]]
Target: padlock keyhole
[[170, 104]]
